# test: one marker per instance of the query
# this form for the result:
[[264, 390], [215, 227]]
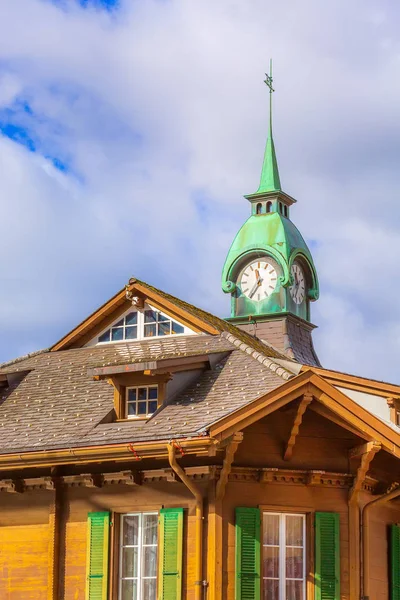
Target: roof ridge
[[19, 359], [262, 358]]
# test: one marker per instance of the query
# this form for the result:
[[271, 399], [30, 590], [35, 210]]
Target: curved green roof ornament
[[270, 181]]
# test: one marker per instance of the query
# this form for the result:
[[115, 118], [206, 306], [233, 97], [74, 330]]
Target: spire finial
[[270, 181]]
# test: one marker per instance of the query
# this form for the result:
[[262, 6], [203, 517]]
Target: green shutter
[[394, 562], [97, 555], [170, 554], [327, 556], [248, 563]]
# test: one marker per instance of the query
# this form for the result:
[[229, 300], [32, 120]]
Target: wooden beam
[[54, 547], [306, 400], [367, 453], [379, 388]]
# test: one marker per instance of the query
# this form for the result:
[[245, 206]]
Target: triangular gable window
[[141, 325]]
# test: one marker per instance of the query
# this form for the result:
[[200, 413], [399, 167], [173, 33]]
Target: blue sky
[[129, 132]]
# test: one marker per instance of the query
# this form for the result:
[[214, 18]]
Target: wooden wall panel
[[24, 562], [283, 498], [75, 561], [379, 521]]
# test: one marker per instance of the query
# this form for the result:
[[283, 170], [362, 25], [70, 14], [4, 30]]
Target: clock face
[[258, 280], [298, 289]]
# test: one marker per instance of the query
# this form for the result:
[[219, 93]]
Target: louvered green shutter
[[394, 562], [248, 563], [170, 554], [97, 555], [327, 556]]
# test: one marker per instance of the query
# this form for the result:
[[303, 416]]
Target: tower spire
[[270, 181]]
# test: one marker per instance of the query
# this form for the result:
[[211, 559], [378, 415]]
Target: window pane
[[129, 562], [294, 562], [131, 394], [149, 561], [176, 328], [105, 337], [142, 408], [130, 530], [294, 590], [117, 334], [149, 589], [150, 523], [131, 333], [131, 319], [142, 393], [119, 324], [150, 316], [129, 590], [271, 529], [271, 561], [153, 393], [152, 407], [271, 590], [150, 330], [163, 317], [294, 530], [131, 408], [164, 328]]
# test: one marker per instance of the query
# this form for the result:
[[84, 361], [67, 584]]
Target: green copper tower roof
[[270, 181]]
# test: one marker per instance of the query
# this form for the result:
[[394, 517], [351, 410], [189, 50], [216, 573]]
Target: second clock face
[[298, 289], [258, 280]]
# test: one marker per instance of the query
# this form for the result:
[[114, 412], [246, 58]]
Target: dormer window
[[141, 401]]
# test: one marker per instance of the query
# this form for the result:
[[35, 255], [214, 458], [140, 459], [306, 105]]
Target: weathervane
[[268, 78]]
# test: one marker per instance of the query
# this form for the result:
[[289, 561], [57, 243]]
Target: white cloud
[[162, 103]]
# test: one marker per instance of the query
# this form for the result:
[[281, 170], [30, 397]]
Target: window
[[157, 324], [269, 207], [283, 556], [258, 208], [285, 210], [142, 401], [138, 557], [125, 329], [139, 325], [280, 207]]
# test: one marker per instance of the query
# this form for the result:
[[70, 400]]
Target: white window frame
[[140, 578], [140, 328], [282, 553], [136, 387]]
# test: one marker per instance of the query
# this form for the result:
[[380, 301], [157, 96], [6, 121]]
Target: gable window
[[125, 329], [138, 325], [157, 324], [138, 556], [284, 556], [141, 401]]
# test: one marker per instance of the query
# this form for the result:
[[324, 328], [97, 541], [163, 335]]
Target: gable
[[323, 398], [137, 324]]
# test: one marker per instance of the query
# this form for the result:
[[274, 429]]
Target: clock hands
[[256, 285]]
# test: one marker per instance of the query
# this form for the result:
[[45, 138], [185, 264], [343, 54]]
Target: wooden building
[[158, 451]]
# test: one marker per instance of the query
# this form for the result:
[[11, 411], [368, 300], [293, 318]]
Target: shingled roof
[[54, 402]]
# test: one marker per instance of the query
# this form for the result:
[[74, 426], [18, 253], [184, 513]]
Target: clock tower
[[269, 271]]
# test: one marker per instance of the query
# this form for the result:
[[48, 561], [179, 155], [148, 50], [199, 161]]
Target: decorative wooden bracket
[[306, 400], [227, 464], [367, 452]]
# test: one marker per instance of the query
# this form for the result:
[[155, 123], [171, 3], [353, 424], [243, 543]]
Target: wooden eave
[[345, 410], [200, 446], [117, 305], [166, 364], [354, 382]]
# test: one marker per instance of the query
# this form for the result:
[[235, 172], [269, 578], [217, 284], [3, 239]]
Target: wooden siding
[[24, 562]]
